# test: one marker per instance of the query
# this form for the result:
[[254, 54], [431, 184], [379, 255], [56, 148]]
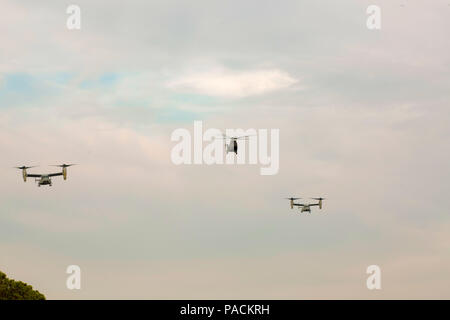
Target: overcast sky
[[363, 118]]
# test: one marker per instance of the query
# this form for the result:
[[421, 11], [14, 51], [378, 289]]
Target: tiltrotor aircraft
[[44, 179], [305, 207], [232, 146]]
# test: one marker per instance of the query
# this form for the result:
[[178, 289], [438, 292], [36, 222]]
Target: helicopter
[[305, 207], [233, 146], [44, 179]]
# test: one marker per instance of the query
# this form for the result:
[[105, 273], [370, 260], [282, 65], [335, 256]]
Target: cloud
[[236, 84]]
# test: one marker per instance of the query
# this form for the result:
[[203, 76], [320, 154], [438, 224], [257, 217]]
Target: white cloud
[[227, 83]]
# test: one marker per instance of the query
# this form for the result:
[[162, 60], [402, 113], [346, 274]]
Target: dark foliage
[[17, 290]]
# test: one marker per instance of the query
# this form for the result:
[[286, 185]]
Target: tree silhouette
[[17, 290]]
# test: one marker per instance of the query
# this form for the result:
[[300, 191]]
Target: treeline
[[17, 290]]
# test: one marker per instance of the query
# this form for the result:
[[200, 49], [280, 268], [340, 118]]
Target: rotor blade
[[235, 138], [63, 165], [25, 167], [223, 136]]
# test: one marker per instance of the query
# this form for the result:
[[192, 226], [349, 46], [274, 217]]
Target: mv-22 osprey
[[305, 207], [233, 146], [44, 179]]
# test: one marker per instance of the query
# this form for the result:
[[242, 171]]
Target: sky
[[363, 118]]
